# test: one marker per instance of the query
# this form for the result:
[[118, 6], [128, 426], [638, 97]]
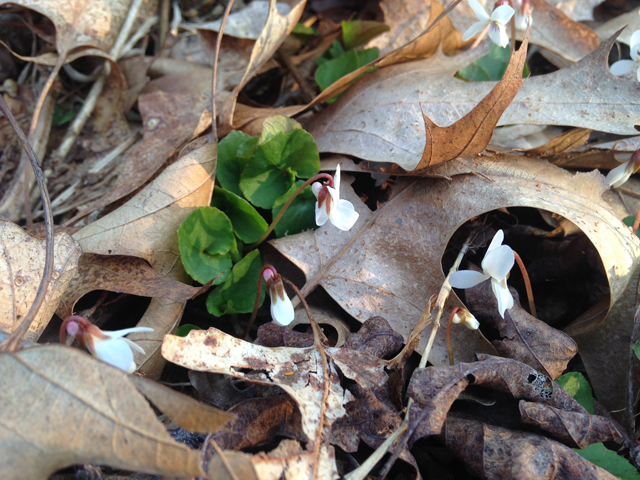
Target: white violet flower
[[281, 306], [622, 68], [496, 265], [496, 23], [110, 347], [467, 319], [329, 206], [621, 173]]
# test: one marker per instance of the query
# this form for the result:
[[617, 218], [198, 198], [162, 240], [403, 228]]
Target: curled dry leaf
[[80, 410], [495, 452], [584, 95], [84, 27], [21, 270], [523, 337], [630, 20], [575, 429], [275, 31], [146, 226], [117, 273]]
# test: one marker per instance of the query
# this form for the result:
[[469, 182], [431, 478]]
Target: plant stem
[[254, 314], [442, 298], [527, 284], [636, 222], [449, 344], [286, 205]]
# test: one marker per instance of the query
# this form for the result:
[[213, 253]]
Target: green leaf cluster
[[577, 386], [343, 58], [254, 172], [491, 67]]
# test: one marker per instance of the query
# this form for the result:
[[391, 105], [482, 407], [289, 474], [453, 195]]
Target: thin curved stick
[[527, 284], [214, 79], [13, 341]]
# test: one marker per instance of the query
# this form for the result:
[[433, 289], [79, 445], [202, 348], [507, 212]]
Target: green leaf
[[491, 67], [238, 293], [359, 32], [301, 214], [247, 223], [236, 254], [61, 116], [262, 182], [230, 165], [248, 148], [333, 70], [183, 330], [613, 463], [205, 239], [278, 124], [296, 150], [303, 33], [577, 386]]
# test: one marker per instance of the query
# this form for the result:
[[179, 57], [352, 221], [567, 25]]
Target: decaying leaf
[[146, 226], [523, 337], [116, 273], [495, 452], [584, 95], [21, 270], [61, 407]]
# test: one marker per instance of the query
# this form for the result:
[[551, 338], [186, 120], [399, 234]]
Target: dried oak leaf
[[61, 407], [274, 335], [258, 421], [495, 452], [380, 118], [435, 389], [117, 273], [21, 269], [146, 226], [522, 336], [375, 337], [575, 429]]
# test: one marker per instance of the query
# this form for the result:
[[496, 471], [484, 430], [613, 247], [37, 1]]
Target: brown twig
[[527, 284], [214, 79], [307, 93], [636, 222], [13, 341], [318, 337], [256, 304]]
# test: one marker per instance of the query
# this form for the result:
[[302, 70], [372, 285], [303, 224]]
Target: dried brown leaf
[[495, 452], [584, 95], [21, 270], [522, 336], [575, 137], [61, 407], [117, 273], [575, 429]]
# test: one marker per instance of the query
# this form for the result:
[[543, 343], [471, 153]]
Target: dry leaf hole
[[566, 272]]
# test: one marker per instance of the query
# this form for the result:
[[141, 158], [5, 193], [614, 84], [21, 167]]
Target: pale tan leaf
[[577, 10], [21, 269], [630, 20], [275, 30], [84, 23], [249, 21], [380, 118], [61, 407], [146, 226], [184, 411]]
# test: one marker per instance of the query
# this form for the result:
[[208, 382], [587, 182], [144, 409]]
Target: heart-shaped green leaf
[[296, 150], [230, 164], [299, 216], [262, 182], [247, 223], [238, 293], [278, 124], [206, 239]]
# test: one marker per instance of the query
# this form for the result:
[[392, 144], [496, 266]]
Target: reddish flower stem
[[286, 205], [527, 284], [449, 344], [636, 222], [254, 314]]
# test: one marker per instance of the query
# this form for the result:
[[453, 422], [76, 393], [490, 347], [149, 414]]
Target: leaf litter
[[429, 161]]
